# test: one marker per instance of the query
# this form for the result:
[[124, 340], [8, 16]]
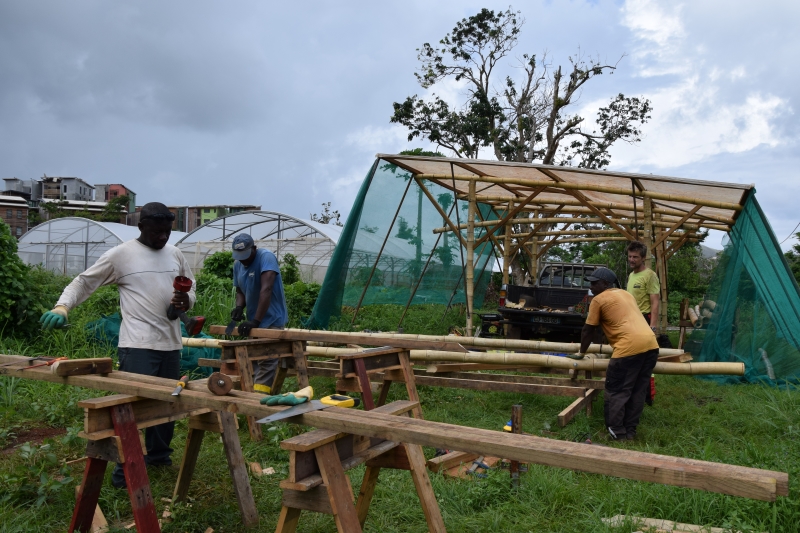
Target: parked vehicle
[[553, 309]]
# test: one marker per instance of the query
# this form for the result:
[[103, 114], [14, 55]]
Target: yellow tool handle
[[183, 381]]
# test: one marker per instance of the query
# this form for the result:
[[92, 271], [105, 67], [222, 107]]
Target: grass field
[[748, 425]]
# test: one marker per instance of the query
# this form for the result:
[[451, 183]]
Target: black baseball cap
[[602, 274]]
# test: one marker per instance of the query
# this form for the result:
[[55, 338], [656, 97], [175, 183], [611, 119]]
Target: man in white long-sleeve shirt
[[149, 342]]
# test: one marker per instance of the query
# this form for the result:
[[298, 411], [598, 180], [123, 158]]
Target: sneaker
[[630, 436], [615, 436], [119, 484]]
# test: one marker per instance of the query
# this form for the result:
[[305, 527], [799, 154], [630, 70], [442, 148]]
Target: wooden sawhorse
[[112, 424], [238, 355], [317, 480], [393, 363]]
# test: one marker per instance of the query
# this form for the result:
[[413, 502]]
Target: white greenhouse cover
[[70, 245]]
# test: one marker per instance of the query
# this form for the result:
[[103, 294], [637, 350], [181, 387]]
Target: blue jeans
[[163, 364]]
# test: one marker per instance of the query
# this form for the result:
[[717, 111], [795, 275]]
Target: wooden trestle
[[120, 421]]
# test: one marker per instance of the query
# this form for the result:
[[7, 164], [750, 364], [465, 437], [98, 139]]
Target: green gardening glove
[[290, 398], [57, 318]]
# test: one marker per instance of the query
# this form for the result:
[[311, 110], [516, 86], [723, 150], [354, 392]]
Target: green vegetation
[[793, 257], [748, 425]]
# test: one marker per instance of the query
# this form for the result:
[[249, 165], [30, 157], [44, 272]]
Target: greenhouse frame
[[70, 245], [312, 243]]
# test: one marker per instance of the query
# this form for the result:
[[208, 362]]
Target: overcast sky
[[285, 104]]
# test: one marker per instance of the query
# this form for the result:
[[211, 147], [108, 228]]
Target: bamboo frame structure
[[528, 200]]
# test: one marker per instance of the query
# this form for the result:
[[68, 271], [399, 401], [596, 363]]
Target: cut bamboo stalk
[[386, 339], [554, 361], [586, 220], [709, 304], [692, 316], [602, 239], [470, 267]]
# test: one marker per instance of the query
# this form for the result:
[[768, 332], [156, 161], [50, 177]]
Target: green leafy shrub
[[290, 270], [219, 264], [300, 299], [14, 283]]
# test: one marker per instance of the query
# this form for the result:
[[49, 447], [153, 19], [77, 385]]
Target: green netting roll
[[756, 319]]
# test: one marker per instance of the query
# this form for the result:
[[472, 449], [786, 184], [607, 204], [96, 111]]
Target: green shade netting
[[388, 254], [757, 315], [105, 330]]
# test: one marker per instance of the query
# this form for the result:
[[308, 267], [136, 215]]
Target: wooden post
[[470, 273], [237, 469], [516, 427], [507, 246], [246, 373], [648, 230]]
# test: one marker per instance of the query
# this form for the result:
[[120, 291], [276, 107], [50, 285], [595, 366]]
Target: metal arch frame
[[267, 216]]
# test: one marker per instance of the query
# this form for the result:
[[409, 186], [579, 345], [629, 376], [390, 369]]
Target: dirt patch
[[701, 401], [32, 435]]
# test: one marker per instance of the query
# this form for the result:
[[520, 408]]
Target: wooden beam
[[677, 225], [726, 479], [441, 211]]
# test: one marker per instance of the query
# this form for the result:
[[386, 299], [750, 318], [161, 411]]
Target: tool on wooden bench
[[181, 385], [46, 363], [194, 325], [334, 400]]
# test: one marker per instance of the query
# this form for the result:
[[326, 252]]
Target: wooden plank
[[213, 363], [357, 459], [396, 458], [514, 378], [662, 525], [304, 464], [208, 422], [82, 367], [109, 449], [340, 494], [332, 336], [449, 460], [427, 499], [411, 387], [238, 472], [468, 367], [315, 500], [366, 492], [88, 495], [363, 381], [569, 413], [138, 484], [690, 473], [194, 440], [372, 364], [246, 373], [108, 401], [287, 521], [298, 349], [97, 422], [527, 388]]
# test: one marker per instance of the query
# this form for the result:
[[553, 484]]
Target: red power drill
[[194, 325]]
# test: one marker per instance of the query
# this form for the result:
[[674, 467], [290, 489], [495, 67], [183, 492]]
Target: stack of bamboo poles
[[700, 315]]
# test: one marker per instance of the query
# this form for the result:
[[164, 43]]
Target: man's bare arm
[[655, 307], [265, 296], [587, 334]]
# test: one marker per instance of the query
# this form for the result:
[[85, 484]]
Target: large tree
[[528, 118]]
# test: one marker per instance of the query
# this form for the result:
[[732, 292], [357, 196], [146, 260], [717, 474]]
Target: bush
[[300, 299], [219, 264], [290, 271]]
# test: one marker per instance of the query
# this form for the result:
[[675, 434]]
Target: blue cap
[[242, 245]]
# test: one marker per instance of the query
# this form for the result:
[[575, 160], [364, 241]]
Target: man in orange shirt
[[635, 352]]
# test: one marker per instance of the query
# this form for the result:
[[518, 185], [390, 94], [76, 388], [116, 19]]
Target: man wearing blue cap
[[635, 352], [259, 289]]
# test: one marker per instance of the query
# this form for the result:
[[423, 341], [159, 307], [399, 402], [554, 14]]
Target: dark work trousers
[[627, 382], [264, 371], [163, 364]]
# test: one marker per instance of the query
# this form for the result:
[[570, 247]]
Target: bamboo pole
[[583, 187], [647, 238], [601, 239], [470, 274], [554, 361], [385, 339], [518, 359], [507, 248], [617, 206], [588, 220]]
